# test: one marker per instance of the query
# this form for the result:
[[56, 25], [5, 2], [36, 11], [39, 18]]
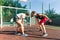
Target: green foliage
[[51, 13], [2, 2], [28, 19], [9, 13]]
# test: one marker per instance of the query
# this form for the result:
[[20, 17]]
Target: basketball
[[20, 30]]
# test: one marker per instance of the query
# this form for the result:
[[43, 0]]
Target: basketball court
[[33, 32], [8, 30]]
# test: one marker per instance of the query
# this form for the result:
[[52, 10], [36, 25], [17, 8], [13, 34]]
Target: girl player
[[19, 19], [43, 18]]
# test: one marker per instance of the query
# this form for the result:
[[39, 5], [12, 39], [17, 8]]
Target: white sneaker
[[19, 34], [45, 35], [24, 34]]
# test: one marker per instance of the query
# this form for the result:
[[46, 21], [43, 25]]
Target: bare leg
[[20, 27], [44, 33], [44, 29], [41, 29]]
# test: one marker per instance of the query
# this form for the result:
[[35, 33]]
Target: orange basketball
[[20, 30]]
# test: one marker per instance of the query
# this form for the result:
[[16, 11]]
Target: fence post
[[1, 16]]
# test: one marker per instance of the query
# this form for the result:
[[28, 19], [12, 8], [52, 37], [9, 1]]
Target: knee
[[42, 23]]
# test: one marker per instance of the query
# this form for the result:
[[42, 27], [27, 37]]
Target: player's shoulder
[[21, 14], [44, 15]]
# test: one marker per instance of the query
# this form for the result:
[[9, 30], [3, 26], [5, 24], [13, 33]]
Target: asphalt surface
[[8, 33]]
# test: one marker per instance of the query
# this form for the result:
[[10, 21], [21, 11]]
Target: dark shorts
[[15, 18]]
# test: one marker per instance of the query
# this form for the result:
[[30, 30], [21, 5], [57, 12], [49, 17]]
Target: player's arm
[[23, 18], [46, 16], [36, 18]]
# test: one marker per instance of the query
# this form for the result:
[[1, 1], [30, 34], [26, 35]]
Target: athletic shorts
[[16, 18], [43, 20]]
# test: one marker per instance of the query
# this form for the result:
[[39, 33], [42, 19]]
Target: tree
[[51, 13], [11, 3], [9, 13], [2, 2]]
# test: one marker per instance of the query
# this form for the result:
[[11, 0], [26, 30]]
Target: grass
[[53, 27]]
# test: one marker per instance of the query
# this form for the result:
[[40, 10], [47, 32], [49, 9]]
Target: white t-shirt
[[21, 15]]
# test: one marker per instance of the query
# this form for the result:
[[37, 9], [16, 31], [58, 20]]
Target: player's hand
[[49, 20]]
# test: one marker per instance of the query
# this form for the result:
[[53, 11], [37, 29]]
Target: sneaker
[[45, 35], [24, 34], [18, 33]]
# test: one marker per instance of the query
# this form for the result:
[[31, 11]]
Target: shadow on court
[[8, 33]]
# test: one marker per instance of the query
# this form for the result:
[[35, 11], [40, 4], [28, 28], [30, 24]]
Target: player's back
[[21, 15]]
